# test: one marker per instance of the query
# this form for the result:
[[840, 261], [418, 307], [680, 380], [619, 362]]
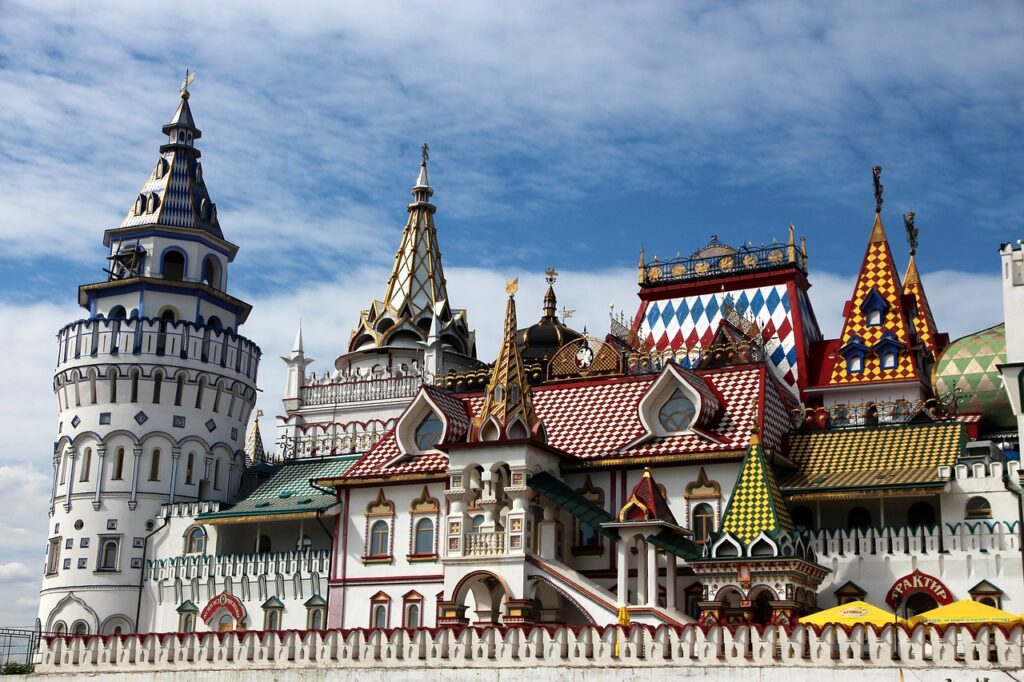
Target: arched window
[[92, 387], [921, 514], [118, 465], [703, 522], [80, 629], [190, 467], [859, 518], [215, 323], [428, 433], [173, 266], [978, 508], [108, 556], [135, 386], [855, 364], [380, 539], [273, 619], [211, 273], [154, 466], [179, 391], [216, 396], [59, 628], [158, 382], [424, 541], [200, 385], [874, 317], [63, 468], [226, 623], [803, 518], [113, 384], [412, 616], [888, 359], [476, 523], [316, 619], [188, 623], [83, 475], [380, 616], [216, 474], [677, 412], [117, 313], [195, 541]]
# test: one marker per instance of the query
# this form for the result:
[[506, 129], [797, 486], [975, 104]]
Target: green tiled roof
[[574, 503], [288, 491]]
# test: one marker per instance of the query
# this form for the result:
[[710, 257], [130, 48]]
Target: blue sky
[[566, 134]]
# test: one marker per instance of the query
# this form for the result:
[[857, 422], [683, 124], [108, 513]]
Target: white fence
[[833, 647]]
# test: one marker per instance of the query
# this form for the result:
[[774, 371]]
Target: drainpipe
[[142, 573]]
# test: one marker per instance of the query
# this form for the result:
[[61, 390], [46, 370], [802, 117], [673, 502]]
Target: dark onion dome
[[971, 364], [542, 339]]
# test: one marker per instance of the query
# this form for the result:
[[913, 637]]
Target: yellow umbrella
[[852, 613], [966, 611]]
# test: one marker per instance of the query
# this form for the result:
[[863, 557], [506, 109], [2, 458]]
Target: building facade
[[718, 460]]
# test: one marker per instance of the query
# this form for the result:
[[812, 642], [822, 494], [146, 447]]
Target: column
[[136, 462], [652, 574], [641, 572], [53, 488], [670, 580], [622, 551], [101, 453], [73, 454], [175, 456]]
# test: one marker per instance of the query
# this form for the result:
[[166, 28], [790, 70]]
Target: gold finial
[[876, 173], [791, 244], [803, 248], [550, 275], [755, 435], [512, 286], [187, 81]]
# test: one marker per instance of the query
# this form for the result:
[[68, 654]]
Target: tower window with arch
[[211, 273], [978, 508], [83, 475], [118, 472], [412, 608], [158, 381], [107, 560], [703, 503], [380, 515], [380, 604], [195, 540], [172, 265], [134, 392], [190, 463], [179, 391], [428, 433], [423, 543], [677, 413], [154, 465]]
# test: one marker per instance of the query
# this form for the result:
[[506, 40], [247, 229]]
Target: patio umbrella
[[966, 611], [851, 614]]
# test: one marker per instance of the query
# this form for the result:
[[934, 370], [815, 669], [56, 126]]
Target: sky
[[565, 134]]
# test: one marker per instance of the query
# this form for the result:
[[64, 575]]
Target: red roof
[[646, 503], [600, 419]]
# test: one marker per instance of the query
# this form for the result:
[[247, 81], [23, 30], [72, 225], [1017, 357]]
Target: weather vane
[[512, 286], [566, 314], [425, 152], [550, 275], [908, 224], [187, 81], [877, 173]]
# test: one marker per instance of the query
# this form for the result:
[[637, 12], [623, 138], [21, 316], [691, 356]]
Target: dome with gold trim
[[970, 365]]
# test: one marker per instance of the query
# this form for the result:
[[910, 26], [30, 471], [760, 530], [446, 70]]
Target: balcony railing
[[188, 566], [360, 391], [484, 544]]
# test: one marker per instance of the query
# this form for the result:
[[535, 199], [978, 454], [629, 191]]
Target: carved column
[[175, 456], [133, 501], [652, 574], [73, 455], [101, 453], [622, 553]]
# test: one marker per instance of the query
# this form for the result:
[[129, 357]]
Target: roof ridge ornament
[[911, 228], [187, 81], [876, 173]]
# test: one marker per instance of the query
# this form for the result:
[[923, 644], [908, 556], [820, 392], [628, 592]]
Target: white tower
[[1013, 311], [154, 387]]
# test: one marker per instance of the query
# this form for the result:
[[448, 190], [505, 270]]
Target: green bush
[[13, 668]]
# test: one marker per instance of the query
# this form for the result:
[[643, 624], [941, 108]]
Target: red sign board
[[918, 582], [228, 602]]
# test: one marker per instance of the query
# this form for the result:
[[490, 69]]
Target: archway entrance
[[919, 602], [761, 611], [483, 594]]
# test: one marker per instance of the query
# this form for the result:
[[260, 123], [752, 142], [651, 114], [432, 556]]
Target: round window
[[79, 525]]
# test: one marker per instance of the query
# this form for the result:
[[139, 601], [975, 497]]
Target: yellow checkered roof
[[873, 458], [756, 504], [924, 323], [877, 273]]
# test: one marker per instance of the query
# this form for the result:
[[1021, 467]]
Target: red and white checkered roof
[[601, 419]]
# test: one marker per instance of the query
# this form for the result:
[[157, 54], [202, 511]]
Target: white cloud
[[14, 571]]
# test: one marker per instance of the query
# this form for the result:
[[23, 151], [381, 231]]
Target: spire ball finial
[[425, 152], [911, 228], [187, 81], [876, 173], [512, 286], [550, 275]]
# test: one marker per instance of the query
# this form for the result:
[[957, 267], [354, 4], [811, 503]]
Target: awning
[[574, 503], [676, 543]]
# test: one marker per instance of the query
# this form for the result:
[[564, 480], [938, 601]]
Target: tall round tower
[[154, 387]]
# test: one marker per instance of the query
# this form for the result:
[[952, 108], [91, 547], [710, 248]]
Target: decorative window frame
[[53, 555], [316, 604], [874, 302], [423, 507], [596, 495], [854, 349], [412, 598], [101, 543], [706, 403], [702, 490], [187, 537], [187, 612], [381, 599], [981, 513], [886, 344], [272, 606], [409, 422], [380, 509]]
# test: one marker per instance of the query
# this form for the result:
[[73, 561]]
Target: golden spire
[[507, 412], [803, 248], [791, 244], [641, 268]]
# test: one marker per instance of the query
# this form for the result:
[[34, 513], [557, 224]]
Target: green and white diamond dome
[[970, 364]]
